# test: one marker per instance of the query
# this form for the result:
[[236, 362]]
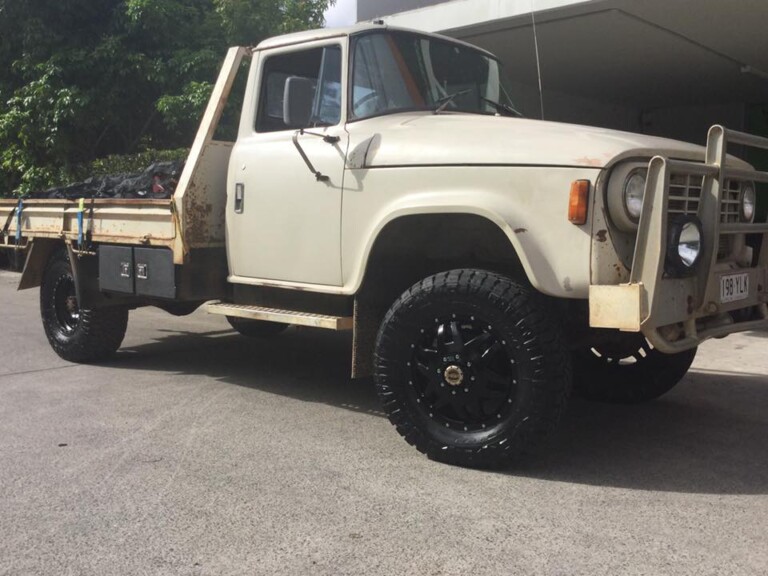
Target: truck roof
[[323, 33]]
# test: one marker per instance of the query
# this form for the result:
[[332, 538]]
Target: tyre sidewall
[[508, 319]]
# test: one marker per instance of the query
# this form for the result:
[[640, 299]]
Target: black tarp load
[[158, 181]]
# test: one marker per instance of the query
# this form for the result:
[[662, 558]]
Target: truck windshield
[[397, 72]]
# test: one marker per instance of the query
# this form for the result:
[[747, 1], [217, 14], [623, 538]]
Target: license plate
[[734, 287]]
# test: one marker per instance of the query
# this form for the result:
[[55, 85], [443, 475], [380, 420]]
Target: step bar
[[281, 316]]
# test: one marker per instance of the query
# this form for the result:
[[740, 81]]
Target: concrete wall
[[562, 107], [369, 9], [688, 123]]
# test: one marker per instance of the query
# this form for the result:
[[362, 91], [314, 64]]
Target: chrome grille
[[730, 204], [684, 194]]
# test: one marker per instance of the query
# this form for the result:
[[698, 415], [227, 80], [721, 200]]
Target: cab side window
[[300, 90]]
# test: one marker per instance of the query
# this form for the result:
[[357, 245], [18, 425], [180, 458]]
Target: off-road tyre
[[628, 375], [77, 334], [256, 328], [472, 369]]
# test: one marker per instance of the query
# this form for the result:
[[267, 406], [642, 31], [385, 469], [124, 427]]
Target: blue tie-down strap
[[19, 210], [80, 210]]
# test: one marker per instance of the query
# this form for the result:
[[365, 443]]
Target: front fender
[[528, 204]]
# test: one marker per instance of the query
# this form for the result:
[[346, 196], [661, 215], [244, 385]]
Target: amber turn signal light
[[579, 201]]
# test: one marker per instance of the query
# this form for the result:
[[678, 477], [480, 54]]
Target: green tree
[[84, 79]]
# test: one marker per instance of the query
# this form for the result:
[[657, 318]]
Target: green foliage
[[86, 79], [127, 163]]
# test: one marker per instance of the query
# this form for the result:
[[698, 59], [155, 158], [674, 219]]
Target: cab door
[[286, 170]]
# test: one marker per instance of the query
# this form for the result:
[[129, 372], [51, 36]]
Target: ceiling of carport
[[649, 54]]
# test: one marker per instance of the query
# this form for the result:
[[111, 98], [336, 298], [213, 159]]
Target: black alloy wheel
[[471, 368], [77, 334], [65, 303], [462, 374]]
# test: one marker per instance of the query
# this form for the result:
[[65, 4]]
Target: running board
[[281, 316]]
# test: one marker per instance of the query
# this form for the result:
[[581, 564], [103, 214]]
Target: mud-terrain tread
[[520, 309], [99, 332]]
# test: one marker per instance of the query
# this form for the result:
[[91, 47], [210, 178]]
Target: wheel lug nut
[[466, 389]]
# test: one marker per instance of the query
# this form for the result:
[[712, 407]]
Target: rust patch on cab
[[601, 236], [587, 161]]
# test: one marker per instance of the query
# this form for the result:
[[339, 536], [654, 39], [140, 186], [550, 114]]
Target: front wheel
[[471, 368], [629, 371], [77, 334]]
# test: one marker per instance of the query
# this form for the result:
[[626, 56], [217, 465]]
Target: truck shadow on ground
[[709, 435]]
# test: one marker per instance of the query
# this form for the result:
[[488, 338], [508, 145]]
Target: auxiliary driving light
[[748, 203], [684, 246]]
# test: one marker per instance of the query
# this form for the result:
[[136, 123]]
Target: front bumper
[[676, 314]]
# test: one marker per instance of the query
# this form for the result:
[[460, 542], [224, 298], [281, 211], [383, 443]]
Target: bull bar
[[673, 313]]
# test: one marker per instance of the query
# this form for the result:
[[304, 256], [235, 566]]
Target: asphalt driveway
[[198, 451]]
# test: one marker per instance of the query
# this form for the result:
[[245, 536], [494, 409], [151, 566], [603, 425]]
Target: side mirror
[[298, 98]]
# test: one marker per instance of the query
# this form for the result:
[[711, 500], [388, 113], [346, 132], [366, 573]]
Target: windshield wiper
[[504, 109], [442, 103]]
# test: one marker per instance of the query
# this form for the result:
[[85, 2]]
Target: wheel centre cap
[[453, 375]]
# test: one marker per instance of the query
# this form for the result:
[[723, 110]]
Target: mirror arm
[[319, 176], [326, 138]]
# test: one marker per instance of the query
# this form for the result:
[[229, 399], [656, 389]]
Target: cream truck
[[382, 182]]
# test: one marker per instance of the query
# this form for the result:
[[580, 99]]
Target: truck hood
[[418, 139]]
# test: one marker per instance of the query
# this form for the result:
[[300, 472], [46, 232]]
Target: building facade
[[656, 67]]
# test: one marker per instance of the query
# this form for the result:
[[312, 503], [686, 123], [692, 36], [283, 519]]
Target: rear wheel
[[471, 368], [630, 371], [256, 328], [77, 334]]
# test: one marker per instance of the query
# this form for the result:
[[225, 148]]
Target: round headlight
[[634, 191], [684, 246], [748, 202], [689, 244]]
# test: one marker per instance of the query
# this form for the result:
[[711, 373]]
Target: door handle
[[239, 198]]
